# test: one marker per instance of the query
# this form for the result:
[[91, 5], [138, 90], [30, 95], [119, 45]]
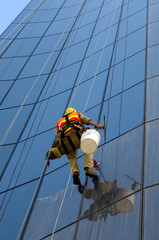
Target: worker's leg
[[72, 157], [88, 165], [88, 160]]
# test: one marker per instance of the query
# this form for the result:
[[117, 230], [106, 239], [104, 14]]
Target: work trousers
[[72, 157]]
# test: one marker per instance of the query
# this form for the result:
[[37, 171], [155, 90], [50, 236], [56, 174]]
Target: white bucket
[[89, 141], [126, 204]]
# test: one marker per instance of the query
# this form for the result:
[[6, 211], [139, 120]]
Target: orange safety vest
[[69, 122]]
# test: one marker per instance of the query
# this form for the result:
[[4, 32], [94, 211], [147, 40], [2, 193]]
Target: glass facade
[[100, 57]]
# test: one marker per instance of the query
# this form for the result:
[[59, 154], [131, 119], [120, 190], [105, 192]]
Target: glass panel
[[22, 89], [153, 34], [139, 37], [7, 117], [33, 30], [23, 17], [152, 1], [152, 151], [153, 13], [137, 21], [21, 47], [48, 43], [15, 219], [41, 65], [12, 30], [120, 50], [94, 4], [10, 67], [151, 210], [153, 59], [152, 110], [4, 86], [113, 118], [44, 15], [134, 70], [136, 5], [132, 108], [117, 79]]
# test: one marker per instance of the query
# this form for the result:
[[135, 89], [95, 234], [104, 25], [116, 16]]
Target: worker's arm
[[98, 126]]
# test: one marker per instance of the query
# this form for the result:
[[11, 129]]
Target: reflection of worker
[[69, 129], [105, 194]]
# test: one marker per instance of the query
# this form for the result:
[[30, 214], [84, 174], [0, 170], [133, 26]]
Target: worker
[[68, 128]]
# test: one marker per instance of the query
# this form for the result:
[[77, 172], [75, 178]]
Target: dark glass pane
[[113, 118], [134, 70], [132, 108], [117, 79]]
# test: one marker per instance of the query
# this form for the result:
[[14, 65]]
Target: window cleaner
[[69, 132]]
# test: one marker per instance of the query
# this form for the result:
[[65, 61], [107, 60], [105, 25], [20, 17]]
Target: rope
[[32, 203], [34, 49], [122, 91], [53, 232], [15, 56], [14, 119], [101, 55], [35, 132], [90, 57], [39, 5], [110, 64], [26, 219]]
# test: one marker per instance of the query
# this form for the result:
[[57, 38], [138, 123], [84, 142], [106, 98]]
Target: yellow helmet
[[69, 110]]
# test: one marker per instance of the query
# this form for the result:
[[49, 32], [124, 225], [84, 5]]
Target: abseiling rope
[[91, 55], [83, 111], [36, 130], [23, 226], [101, 55], [38, 5], [14, 119]]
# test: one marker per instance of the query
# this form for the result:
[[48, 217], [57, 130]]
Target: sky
[[9, 10]]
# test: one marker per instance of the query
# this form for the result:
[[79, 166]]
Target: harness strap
[[64, 146], [71, 143]]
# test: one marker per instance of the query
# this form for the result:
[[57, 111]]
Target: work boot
[[76, 179], [90, 173], [81, 188]]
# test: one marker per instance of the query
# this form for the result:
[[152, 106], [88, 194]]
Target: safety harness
[[67, 143], [69, 122]]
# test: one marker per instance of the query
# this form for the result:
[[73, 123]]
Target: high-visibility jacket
[[69, 122]]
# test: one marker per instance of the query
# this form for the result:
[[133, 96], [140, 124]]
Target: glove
[[96, 165]]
